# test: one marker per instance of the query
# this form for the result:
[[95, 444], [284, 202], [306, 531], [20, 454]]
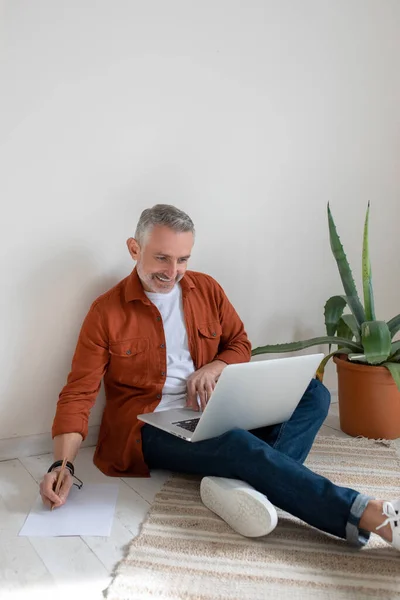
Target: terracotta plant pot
[[369, 401]]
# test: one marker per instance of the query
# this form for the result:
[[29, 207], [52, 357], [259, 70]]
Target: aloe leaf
[[294, 346], [326, 359], [346, 276], [395, 347], [352, 324], [366, 275], [394, 369], [333, 310], [343, 330], [395, 351], [375, 336], [394, 325]]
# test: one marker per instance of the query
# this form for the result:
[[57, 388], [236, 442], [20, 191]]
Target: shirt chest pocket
[[209, 335], [129, 361]]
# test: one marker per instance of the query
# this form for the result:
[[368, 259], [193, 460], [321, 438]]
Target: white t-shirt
[[179, 362]]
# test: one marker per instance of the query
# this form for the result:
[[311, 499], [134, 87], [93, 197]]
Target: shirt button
[[158, 396], [162, 346], [163, 373], [158, 318], [128, 352], [214, 334]]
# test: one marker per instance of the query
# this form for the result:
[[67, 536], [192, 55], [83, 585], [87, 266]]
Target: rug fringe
[[383, 441], [354, 440]]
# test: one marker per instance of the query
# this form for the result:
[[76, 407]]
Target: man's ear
[[133, 248]]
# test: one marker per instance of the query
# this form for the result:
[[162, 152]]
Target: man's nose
[[172, 270]]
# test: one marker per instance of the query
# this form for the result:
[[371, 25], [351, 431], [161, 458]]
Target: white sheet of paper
[[88, 511]]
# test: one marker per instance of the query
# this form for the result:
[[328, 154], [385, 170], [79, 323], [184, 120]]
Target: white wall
[[249, 115]]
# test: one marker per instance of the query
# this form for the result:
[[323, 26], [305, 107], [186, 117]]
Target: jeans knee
[[322, 398], [235, 440], [235, 436]]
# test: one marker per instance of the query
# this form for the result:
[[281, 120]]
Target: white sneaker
[[247, 511], [392, 511]]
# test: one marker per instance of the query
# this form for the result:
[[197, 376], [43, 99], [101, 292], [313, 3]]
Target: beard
[[158, 282]]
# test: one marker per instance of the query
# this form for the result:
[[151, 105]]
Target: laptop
[[246, 396]]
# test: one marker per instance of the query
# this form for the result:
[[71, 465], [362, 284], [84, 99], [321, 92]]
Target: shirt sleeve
[[235, 346], [88, 367]]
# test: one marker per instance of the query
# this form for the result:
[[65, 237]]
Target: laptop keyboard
[[189, 425]]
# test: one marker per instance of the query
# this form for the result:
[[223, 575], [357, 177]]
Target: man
[[161, 338]]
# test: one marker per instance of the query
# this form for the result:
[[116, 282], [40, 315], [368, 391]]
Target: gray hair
[[162, 214]]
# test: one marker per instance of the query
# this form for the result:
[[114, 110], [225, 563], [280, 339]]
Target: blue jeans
[[271, 460]]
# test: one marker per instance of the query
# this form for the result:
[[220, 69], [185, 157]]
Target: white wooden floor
[[59, 567]]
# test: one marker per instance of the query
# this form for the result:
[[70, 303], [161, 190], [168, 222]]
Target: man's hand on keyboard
[[202, 384]]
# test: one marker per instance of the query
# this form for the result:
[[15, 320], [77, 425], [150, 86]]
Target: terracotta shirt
[[122, 339]]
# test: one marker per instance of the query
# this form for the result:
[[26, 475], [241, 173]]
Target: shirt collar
[[134, 288]]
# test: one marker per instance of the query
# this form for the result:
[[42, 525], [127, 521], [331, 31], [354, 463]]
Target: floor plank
[[18, 491], [148, 487], [332, 420], [331, 431], [20, 564], [70, 559], [110, 550], [131, 510]]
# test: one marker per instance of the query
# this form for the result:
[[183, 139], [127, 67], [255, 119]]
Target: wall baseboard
[[334, 396], [42, 443]]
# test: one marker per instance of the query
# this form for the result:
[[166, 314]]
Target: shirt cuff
[[232, 357], [69, 425]]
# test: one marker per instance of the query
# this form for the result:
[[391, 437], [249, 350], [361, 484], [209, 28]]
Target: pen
[[59, 479]]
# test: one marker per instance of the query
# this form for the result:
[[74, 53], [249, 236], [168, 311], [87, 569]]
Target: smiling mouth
[[164, 280]]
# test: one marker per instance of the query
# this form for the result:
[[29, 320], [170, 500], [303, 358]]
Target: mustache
[[167, 279], [163, 277]]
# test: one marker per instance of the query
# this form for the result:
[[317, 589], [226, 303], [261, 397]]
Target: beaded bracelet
[[71, 469], [58, 463]]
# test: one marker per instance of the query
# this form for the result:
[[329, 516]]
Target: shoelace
[[391, 514]]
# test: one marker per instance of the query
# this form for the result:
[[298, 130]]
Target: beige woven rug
[[185, 552]]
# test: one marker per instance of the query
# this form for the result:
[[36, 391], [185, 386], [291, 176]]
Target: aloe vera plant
[[358, 333]]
